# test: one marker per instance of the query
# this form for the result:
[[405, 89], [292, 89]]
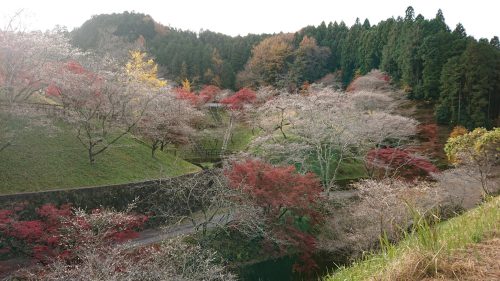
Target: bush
[[60, 232], [400, 163]]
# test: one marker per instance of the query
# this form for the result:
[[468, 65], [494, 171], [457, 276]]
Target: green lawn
[[44, 159], [431, 244]]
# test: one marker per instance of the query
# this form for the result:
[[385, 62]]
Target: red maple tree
[[285, 197], [275, 188], [399, 163], [429, 141], [186, 95], [208, 93], [240, 99]]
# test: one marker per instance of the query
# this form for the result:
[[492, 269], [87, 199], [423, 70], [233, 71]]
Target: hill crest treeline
[[457, 73]]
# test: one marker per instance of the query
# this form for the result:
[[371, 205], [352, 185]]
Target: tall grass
[[425, 245]]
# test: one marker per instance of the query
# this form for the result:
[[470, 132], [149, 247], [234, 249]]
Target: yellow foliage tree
[[186, 85], [144, 70], [479, 150], [458, 131], [269, 62]]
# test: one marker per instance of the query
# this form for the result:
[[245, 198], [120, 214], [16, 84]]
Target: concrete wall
[[149, 196]]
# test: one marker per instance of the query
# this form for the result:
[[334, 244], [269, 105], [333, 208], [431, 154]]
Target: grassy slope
[[44, 159], [437, 243]]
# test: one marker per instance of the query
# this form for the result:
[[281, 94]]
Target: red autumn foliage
[[274, 188], [306, 244], [46, 237], [5, 217], [191, 97], [29, 231], [208, 93], [279, 191], [240, 99], [53, 90], [400, 163], [73, 67], [428, 134]]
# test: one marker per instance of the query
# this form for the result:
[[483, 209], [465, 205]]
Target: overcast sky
[[481, 18]]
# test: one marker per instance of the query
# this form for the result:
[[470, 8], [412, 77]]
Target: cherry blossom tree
[[326, 128], [168, 120], [100, 101], [27, 61], [173, 259], [373, 81], [203, 200]]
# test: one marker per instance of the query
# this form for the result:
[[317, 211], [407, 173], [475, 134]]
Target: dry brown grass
[[476, 262]]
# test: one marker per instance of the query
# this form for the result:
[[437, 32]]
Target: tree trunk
[[154, 147], [227, 135], [91, 156]]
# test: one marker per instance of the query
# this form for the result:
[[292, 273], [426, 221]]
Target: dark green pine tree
[[391, 51], [482, 70], [310, 62], [495, 42], [450, 106], [470, 87], [435, 51], [350, 52]]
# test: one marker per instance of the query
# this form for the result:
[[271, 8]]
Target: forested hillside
[[456, 72], [204, 58]]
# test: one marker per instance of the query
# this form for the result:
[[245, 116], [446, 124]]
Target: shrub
[[240, 99], [400, 163], [60, 232]]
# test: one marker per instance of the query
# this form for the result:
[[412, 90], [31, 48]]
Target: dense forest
[[457, 73], [203, 58]]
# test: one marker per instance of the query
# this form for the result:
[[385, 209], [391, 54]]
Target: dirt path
[[152, 236]]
